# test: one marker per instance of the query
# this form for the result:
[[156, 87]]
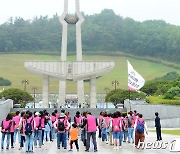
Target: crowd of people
[[33, 130]]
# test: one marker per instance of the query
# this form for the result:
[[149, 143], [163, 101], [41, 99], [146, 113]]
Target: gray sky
[[140, 10]]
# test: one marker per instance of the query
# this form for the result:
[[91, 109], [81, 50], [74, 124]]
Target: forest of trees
[[104, 32]]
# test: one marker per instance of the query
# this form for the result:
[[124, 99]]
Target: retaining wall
[[5, 107]]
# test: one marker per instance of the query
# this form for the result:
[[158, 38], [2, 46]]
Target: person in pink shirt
[[6, 124], [57, 114], [107, 118], [53, 119], [91, 124], [42, 116], [125, 127], [38, 130], [135, 115], [116, 129], [120, 129], [29, 127], [12, 132], [16, 129], [21, 129], [131, 122], [99, 122]]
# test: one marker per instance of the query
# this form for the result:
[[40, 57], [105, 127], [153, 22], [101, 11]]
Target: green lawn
[[161, 100], [12, 68], [171, 132]]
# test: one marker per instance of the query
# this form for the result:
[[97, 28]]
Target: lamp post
[[115, 83], [25, 82], [34, 92], [106, 89]]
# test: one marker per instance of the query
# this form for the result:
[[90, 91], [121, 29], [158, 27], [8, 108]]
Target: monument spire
[[77, 71]]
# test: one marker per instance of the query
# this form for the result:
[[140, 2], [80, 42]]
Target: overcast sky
[[140, 10]]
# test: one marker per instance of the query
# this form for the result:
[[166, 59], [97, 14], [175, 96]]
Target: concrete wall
[[165, 111], [5, 107], [169, 114], [165, 123]]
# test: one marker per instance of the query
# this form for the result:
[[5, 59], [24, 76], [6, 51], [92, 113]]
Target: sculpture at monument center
[[76, 71]]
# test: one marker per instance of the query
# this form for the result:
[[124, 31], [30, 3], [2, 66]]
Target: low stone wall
[[165, 123], [5, 107], [169, 114]]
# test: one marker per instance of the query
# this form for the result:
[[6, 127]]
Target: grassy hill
[[12, 68]]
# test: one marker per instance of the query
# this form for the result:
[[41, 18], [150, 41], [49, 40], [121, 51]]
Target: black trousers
[[22, 141], [158, 132], [76, 143], [12, 138], [100, 132], [89, 134], [42, 136]]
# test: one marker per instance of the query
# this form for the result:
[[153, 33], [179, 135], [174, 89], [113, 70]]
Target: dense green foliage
[[169, 76], [160, 86], [17, 95], [105, 32], [4, 82], [156, 87], [119, 95], [163, 90], [172, 92]]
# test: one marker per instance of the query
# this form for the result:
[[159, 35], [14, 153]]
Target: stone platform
[[50, 148]]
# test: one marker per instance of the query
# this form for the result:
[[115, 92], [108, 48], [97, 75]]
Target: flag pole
[[129, 99]]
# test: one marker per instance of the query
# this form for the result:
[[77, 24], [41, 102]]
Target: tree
[[118, 96], [172, 92], [169, 76], [4, 82], [17, 95], [157, 87], [103, 32]]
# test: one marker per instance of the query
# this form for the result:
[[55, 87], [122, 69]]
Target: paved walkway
[[50, 148]]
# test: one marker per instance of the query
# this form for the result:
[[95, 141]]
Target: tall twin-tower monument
[[62, 70]]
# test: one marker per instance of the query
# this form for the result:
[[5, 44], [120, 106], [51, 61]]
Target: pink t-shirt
[[16, 120]]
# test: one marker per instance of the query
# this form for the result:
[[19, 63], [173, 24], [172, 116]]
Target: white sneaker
[[115, 148], [119, 147]]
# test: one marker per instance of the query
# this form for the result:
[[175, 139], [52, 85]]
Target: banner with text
[[135, 80]]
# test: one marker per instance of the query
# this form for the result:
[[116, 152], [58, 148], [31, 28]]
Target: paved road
[[50, 148]]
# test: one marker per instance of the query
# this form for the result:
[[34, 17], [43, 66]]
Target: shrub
[[4, 82], [161, 100]]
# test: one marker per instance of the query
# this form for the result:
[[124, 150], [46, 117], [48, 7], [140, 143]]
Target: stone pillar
[[93, 100], [64, 32], [45, 92], [78, 32], [80, 92], [62, 84], [80, 84], [62, 93]]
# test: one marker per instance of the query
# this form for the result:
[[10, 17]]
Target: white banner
[[135, 80]]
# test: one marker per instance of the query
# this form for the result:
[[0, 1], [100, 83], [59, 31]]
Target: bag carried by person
[[61, 126], [28, 128], [130, 122], [103, 124], [140, 126], [125, 124], [116, 125]]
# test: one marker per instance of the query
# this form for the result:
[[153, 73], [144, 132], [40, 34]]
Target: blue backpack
[[140, 127]]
